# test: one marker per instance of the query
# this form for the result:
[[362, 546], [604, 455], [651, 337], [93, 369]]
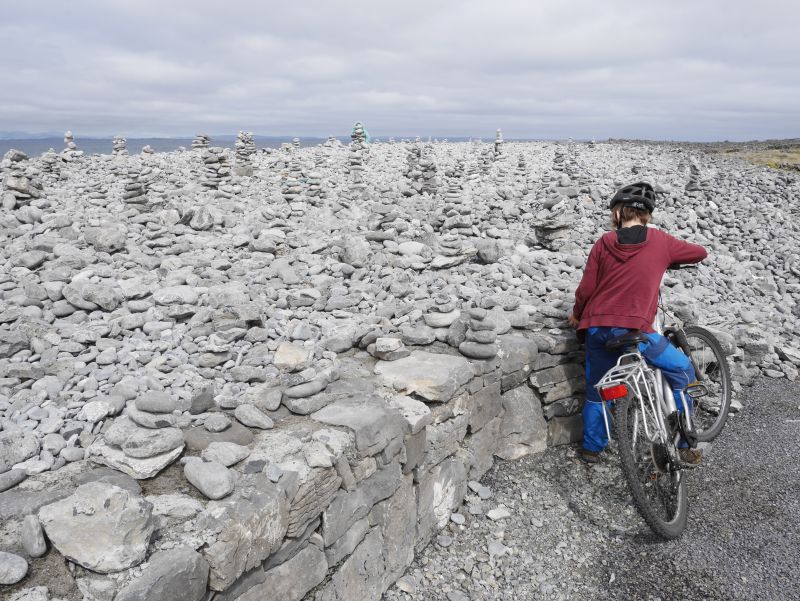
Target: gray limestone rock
[[226, 453], [12, 568], [248, 529], [433, 377], [198, 439], [16, 448], [143, 443], [252, 417], [347, 508], [11, 478], [33, 537], [292, 579], [212, 479], [100, 526], [523, 429], [140, 468], [373, 422], [179, 574]]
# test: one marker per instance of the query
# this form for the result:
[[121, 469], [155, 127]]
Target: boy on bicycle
[[619, 293]]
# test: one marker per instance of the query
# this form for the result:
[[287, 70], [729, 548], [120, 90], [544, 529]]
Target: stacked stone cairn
[[315, 191], [481, 336], [147, 149], [559, 159], [355, 160], [70, 152], [51, 164], [96, 193], [244, 149], [498, 144], [694, 183], [21, 180], [295, 142], [216, 171], [388, 349], [135, 191], [201, 141], [119, 146], [553, 222], [456, 213], [292, 189], [413, 168], [442, 313], [427, 168]]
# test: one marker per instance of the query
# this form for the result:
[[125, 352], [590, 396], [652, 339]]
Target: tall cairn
[[413, 170], [21, 182], [119, 146], [216, 171], [498, 144], [430, 183], [134, 195], [201, 141], [51, 164], [70, 152], [244, 148], [355, 161], [292, 189]]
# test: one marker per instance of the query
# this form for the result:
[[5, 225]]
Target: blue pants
[[658, 352]]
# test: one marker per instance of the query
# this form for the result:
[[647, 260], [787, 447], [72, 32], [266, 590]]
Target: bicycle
[[648, 425]]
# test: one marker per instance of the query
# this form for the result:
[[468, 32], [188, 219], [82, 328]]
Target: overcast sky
[[682, 69]]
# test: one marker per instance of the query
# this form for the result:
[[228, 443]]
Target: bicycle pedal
[[697, 391]]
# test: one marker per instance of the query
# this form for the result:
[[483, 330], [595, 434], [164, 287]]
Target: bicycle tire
[[644, 477], [711, 412]]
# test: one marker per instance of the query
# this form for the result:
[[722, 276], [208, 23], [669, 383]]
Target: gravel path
[[574, 534]]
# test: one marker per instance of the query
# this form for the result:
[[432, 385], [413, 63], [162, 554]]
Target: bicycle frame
[[647, 383]]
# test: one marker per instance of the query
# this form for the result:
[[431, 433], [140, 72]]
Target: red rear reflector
[[614, 392]]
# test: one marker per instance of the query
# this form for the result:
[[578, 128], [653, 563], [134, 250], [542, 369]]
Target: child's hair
[[622, 214]]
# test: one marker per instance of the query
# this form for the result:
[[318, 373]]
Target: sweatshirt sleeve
[[684, 252], [588, 281]]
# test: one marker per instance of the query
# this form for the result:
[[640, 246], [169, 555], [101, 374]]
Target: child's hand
[[572, 321]]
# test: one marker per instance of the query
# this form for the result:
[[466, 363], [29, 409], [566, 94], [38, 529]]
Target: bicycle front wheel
[[713, 373], [658, 490]]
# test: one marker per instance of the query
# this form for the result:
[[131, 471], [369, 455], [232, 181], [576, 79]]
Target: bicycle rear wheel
[[659, 492], [711, 409]]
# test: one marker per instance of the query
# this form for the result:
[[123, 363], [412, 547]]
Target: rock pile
[[70, 152], [147, 149], [693, 185], [427, 169], [216, 170], [119, 146], [51, 164], [201, 142], [21, 181], [498, 144], [135, 191], [245, 147], [308, 394]]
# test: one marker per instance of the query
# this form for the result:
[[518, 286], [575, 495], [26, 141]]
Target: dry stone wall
[[281, 402]]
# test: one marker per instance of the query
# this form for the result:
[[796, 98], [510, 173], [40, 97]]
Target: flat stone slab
[[102, 527], [373, 422], [434, 377], [141, 469], [199, 438]]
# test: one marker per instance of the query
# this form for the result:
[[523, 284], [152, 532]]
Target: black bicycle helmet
[[639, 196]]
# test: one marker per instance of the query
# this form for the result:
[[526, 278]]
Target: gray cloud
[[672, 70]]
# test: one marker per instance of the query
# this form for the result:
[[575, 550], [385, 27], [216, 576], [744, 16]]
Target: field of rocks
[[245, 374]]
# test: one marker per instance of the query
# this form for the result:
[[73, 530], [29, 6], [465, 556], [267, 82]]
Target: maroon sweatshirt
[[620, 284]]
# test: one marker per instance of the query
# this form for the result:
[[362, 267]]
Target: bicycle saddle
[[629, 339]]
